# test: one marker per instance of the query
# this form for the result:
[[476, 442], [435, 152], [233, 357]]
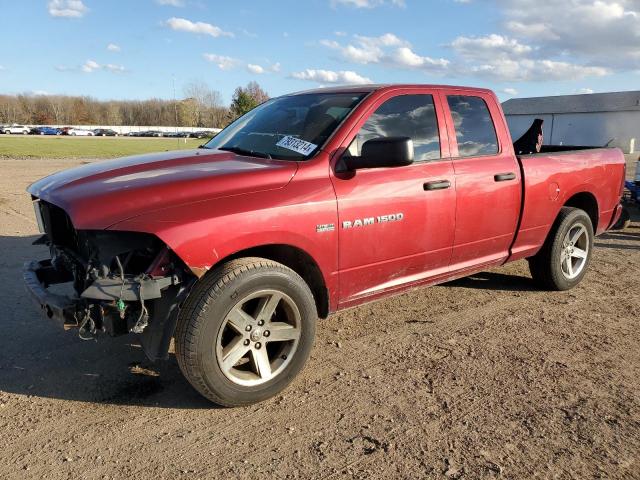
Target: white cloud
[[594, 32], [247, 33], [510, 91], [228, 63], [489, 46], [67, 8], [405, 57], [114, 68], [584, 91], [256, 69], [386, 49], [91, 66], [112, 47], [328, 76], [365, 49], [502, 58], [528, 70], [171, 3], [367, 3], [222, 62], [202, 28]]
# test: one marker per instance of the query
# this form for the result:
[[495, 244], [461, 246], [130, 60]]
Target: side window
[[474, 127], [411, 116]]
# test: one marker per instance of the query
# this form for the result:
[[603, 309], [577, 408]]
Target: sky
[[138, 49]]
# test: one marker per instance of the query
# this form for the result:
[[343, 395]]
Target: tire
[[215, 314], [564, 258]]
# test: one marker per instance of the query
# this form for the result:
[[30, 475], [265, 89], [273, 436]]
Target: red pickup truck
[[309, 204]]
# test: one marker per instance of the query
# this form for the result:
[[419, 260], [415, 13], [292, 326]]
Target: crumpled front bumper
[[38, 276], [164, 293]]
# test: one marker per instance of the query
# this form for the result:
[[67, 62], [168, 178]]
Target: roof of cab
[[368, 88]]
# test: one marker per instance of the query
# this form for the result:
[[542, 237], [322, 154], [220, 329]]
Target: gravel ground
[[485, 377]]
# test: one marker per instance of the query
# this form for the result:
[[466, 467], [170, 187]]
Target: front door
[[396, 225]]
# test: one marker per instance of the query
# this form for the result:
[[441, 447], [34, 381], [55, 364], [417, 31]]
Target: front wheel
[[245, 331], [563, 260]]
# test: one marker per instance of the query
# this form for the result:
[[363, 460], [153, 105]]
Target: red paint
[[209, 205]]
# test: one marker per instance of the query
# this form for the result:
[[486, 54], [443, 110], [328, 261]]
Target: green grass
[[29, 146]]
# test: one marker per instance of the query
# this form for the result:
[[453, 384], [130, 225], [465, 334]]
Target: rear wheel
[[562, 262], [245, 331]]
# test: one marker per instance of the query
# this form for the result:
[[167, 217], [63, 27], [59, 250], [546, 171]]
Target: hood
[[100, 194]]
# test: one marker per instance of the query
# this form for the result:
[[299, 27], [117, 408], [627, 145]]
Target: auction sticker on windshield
[[296, 144]]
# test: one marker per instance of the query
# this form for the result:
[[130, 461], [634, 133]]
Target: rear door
[[396, 225], [487, 175]]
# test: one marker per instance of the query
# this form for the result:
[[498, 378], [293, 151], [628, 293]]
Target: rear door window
[[410, 116], [475, 132]]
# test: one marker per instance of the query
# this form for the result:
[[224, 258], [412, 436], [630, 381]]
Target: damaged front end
[[121, 281]]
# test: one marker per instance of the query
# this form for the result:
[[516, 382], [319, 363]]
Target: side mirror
[[383, 152]]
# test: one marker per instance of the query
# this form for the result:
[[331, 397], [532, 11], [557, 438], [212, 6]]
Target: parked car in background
[[65, 130], [200, 134], [176, 134], [80, 132], [45, 131], [16, 129], [105, 132], [151, 133]]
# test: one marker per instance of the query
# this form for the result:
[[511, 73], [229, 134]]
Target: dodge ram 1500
[[310, 203]]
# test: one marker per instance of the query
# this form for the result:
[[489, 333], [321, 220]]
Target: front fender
[[205, 233]]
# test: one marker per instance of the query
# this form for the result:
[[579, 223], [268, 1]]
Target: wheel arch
[[586, 201], [297, 260]]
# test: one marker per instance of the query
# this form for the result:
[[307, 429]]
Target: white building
[[591, 120]]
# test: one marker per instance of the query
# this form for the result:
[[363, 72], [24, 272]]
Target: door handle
[[503, 177], [437, 185]]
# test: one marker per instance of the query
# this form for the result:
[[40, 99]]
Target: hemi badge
[[326, 227]]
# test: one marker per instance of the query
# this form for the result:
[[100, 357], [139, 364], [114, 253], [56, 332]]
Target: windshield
[[292, 127]]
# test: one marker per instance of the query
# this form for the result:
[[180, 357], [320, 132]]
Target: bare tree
[[207, 102], [204, 109]]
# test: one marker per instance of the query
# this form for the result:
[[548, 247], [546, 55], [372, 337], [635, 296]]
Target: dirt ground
[[485, 377]]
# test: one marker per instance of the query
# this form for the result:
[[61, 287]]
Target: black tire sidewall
[[212, 317]]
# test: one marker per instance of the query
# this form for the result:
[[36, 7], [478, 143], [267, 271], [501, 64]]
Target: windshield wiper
[[204, 146], [244, 151]]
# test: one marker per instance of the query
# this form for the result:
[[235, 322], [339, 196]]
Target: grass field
[[29, 146]]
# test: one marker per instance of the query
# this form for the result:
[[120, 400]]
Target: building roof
[[586, 103]]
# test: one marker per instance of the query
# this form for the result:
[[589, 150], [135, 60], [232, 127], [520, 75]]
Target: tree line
[[201, 106]]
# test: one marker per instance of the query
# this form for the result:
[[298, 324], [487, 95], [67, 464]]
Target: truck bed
[[586, 177]]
